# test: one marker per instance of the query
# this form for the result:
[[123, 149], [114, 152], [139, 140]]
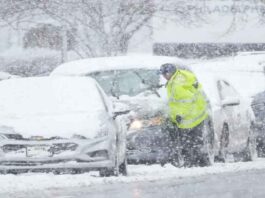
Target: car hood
[[142, 106], [63, 125]]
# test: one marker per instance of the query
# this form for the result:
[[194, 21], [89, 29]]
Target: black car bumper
[[148, 145]]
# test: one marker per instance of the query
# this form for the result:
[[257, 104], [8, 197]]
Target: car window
[[226, 90], [126, 82]]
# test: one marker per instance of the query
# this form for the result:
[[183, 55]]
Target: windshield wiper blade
[[139, 76], [151, 87]]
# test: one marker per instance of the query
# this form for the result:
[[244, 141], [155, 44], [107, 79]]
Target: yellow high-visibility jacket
[[185, 100]]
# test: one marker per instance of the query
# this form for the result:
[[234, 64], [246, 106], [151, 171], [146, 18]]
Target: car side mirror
[[230, 101]]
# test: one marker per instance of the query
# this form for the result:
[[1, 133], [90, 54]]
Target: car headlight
[[138, 124]]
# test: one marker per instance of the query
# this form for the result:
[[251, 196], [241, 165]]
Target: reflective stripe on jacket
[[185, 100]]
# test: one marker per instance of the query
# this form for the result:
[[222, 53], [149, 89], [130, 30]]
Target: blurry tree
[[99, 27], [46, 36], [104, 27]]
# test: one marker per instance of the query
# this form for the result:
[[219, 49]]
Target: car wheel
[[123, 168], [106, 172], [56, 172], [224, 141], [250, 153], [260, 147]]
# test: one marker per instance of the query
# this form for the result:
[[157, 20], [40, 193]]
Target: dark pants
[[186, 145]]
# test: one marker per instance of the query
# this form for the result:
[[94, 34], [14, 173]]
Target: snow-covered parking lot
[[35, 182], [149, 178], [136, 173], [90, 88]]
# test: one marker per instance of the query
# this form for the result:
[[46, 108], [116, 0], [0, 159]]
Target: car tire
[[123, 168], [224, 141], [250, 153], [106, 172], [260, 146]]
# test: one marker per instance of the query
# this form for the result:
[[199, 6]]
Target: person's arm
[[182, 94], [191, 81]]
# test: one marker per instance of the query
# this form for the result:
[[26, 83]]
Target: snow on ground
[[137, 173]]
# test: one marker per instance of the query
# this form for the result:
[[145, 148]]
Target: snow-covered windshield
[[126, 82]]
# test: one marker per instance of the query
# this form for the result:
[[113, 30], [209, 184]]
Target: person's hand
[[178, 119], [196, 85]]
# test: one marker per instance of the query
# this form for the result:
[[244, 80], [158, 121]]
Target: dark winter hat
[[167, 68]]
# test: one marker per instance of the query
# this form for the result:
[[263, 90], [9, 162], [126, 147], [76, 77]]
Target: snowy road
[[234, 185], [230, 180]]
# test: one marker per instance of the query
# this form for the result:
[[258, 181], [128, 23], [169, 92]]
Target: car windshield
[[126, 82]]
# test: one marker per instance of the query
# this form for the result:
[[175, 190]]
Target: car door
[[234, 112]]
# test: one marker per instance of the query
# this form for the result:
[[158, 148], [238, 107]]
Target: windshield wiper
[[151, 87], [113, 92], [112, 89]]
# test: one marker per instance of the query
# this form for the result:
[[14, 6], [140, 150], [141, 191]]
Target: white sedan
[[232, 119], [58, 124]]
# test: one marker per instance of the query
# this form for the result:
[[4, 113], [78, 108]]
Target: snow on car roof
[[242, 71], [247, 62], [85, 66], [43, 106]]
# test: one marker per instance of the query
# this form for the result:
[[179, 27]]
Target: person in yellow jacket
[[187, 113]]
